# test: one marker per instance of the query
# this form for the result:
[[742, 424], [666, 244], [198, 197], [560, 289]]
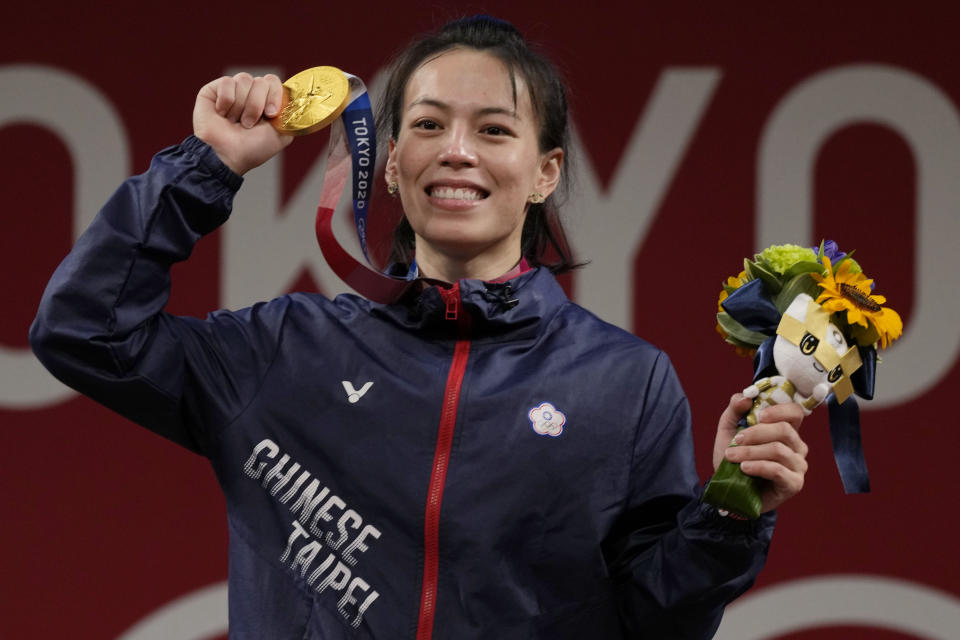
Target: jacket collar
[[512, 309]]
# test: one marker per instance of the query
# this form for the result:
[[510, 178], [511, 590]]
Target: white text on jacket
[[314, 530]]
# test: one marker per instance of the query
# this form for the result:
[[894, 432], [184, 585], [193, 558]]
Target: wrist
[[207, 158]]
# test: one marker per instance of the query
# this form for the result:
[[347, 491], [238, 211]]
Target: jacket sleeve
[[101, 328], [676, 562]]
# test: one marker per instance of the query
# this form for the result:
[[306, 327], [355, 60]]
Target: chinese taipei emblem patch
[[547, 420]]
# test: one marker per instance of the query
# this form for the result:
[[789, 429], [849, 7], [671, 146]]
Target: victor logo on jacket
[[352, 394]]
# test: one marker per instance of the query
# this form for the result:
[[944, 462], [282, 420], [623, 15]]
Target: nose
[[457, 150]]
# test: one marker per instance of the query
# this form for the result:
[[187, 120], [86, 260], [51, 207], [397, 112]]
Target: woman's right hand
[[231, 115]]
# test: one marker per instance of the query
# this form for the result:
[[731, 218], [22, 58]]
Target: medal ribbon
[[353, 146]]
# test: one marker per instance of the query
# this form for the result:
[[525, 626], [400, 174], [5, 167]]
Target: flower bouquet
[[811, 321]]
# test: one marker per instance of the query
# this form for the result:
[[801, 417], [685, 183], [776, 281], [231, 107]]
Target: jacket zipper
[[441, 460]]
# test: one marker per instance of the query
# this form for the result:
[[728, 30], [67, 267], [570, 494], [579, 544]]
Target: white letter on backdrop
[[85, 121], [876, 602], [927, 120], [620, 218]]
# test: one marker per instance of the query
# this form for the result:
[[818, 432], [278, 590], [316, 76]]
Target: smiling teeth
[[449, 193]]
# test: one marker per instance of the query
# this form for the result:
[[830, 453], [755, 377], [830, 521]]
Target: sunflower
[[844, 290]]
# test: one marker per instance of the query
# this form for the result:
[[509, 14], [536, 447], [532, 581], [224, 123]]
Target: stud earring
[[393, 188], [536, 198]]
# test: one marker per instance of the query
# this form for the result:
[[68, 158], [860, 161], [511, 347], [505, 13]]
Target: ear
[[548, 178], [390, 170]]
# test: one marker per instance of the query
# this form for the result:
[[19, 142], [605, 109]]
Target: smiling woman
[[468, 164], [481, 458], [527, 95]]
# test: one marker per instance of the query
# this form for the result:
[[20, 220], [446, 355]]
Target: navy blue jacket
[[515, 469]]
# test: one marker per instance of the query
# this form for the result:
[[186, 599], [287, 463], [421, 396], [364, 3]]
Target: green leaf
[[802, 267], [763, 263], [734, 329], [733, 490], [801, 283], [770, 280], [739, 343]]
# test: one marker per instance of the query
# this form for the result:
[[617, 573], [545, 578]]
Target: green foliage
[[780, 257], [785, 272], [738, 334], [800, 283], [770, 279]]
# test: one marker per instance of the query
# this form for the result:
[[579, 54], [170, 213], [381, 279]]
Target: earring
[[393, 188], [536, 198]]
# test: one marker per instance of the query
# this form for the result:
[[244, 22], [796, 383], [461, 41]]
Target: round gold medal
[[312, 99]]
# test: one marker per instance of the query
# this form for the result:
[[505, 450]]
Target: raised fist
[[231, 115]]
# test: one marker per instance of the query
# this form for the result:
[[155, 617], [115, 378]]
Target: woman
[[510, 467]]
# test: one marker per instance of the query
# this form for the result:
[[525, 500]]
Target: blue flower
[[831, 250]]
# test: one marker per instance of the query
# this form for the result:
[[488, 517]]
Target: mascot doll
[[813, 324]]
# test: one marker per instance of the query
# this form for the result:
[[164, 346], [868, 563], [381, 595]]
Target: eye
[[834, 374], [809, 344], [494, 130], [836, 337], [426, 124]]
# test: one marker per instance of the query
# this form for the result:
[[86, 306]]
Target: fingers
[[259, 100], [274, 95], [229, 116], [736, 408], [753, 459], [768, 433], [245, 99], [784, 482], [791, 413], [774, 450], [224, 94], [240, 86], [727, 425]]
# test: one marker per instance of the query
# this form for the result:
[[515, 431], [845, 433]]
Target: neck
[[453, 268]]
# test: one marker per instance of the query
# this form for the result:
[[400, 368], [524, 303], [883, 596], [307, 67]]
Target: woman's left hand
[[771, 449]]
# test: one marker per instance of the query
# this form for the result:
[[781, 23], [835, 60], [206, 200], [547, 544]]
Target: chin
[[453, 234]]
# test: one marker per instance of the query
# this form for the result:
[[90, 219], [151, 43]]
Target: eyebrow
[[432, 102]]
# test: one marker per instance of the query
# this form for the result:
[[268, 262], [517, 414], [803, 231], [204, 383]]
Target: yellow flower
[[845, 290], [735, 283]]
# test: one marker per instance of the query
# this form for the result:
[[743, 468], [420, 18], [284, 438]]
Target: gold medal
[[312, 99]]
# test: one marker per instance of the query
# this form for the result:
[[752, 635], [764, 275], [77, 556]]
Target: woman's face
[[467, 159]]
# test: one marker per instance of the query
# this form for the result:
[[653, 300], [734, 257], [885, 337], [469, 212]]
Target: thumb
[[727, 425], [738, 406]]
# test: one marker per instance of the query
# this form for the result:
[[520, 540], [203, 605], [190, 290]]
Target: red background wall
[[103, 522]]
